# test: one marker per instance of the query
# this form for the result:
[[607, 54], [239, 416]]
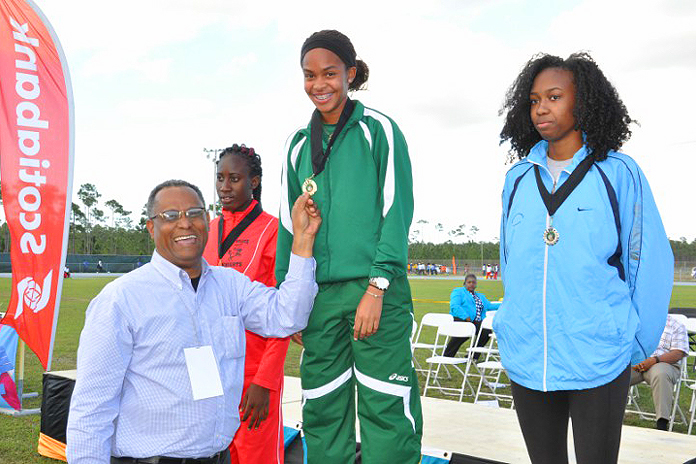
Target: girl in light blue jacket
[[585, 260]]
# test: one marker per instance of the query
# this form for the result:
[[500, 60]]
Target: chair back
[[690, 325], [436, 319], [457, 329], [432, 320], [487, 322]]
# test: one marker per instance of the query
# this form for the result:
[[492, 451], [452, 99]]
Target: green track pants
[[389, 409]]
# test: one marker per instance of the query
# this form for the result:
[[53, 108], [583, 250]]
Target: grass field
[[19, 435]]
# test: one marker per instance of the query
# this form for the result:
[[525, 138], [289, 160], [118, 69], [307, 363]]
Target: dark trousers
[[597, 415], [455, 342]]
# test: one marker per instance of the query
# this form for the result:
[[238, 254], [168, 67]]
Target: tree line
[[98, 227], [489, 251], [105, 227]]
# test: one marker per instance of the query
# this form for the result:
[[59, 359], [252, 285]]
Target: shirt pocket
[[229, 337]]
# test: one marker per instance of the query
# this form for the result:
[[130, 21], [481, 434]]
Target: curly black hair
[[599, 112], [362, 72], [253, 161]]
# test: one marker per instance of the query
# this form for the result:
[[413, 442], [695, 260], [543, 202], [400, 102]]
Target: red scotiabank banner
[[36, 157]]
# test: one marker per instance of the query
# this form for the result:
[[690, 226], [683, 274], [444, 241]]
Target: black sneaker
[[662, 424]]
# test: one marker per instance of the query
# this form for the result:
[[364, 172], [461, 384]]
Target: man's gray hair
[[150, 207]]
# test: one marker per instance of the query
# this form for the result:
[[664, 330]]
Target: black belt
[[217, 458]]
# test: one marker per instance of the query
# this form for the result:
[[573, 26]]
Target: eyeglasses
[[173, 216]]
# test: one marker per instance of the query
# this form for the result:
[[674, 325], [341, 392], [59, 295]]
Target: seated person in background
[[661, 370], [469, 306]]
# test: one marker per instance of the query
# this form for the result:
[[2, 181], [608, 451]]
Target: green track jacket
[[365, 195]]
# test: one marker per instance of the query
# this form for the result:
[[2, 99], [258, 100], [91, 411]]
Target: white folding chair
[[433, 320], [446, 331], [632, 405], [692, 407], [690, 324], [687, 382], [691, 331], [414, 331], [491, 369], [491, 348]]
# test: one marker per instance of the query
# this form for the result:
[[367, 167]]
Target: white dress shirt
[[674, 337], [133, 395]]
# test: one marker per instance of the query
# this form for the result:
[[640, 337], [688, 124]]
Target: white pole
[[20, 371]]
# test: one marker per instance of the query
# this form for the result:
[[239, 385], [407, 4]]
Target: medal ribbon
[[553, 201], [318, 156], [224, 245]]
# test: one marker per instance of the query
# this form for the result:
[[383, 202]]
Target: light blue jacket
[[576, 313], [462, 304]]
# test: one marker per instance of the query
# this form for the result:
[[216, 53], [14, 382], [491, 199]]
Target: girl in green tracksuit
[[354, 161]]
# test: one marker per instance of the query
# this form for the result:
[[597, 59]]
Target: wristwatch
[[381, 283], [657, 359]]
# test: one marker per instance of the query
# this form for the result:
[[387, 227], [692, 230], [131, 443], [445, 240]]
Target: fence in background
[[90, 263]]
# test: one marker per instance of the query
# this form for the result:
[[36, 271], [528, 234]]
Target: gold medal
[[309, 186], [551, 236]]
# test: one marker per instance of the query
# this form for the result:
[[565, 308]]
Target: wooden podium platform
[[498, 437]]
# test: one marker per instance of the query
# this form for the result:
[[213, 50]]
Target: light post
[[212, 155], [481, 253]]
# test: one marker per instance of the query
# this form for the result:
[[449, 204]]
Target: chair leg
[[427, 381], [481, 380], [693, 410], [465, 379], [416, 365], [632, 399], [675, 405]]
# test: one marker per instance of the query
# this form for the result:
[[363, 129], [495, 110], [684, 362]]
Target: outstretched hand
[[306, 219]]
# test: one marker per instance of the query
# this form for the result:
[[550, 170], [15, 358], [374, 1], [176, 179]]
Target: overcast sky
[[156, 82]]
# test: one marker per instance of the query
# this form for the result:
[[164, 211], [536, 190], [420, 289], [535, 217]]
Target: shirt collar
[[174, 273], [356, 115], [235, 216], [537, 155]]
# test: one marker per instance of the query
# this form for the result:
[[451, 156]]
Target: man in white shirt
[[161, 356], [661, 370]]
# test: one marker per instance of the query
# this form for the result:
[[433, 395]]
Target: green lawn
[[20, 434]]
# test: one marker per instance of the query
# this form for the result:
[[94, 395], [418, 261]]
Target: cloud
[[157, 81], [638, 35]]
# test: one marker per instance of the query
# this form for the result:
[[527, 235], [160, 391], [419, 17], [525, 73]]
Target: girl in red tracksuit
[[244, 238]]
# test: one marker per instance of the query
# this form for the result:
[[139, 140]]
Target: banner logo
[[32, 295]]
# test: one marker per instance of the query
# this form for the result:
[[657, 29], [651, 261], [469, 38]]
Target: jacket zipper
[[546, 265]]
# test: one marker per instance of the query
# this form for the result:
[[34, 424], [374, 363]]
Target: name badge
[[203, 372]]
